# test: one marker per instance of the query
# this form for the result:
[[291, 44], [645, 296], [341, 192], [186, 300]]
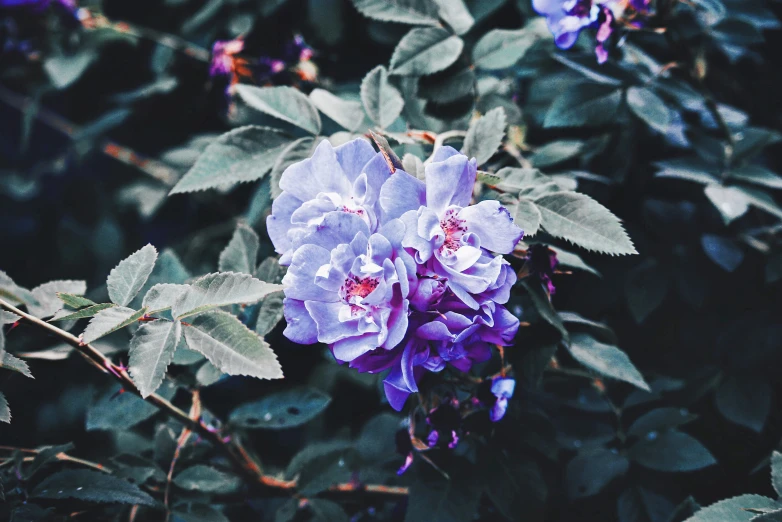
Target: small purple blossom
[[502, 388], [446, 421]]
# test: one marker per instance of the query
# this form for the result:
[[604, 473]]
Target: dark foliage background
[[695, 314]]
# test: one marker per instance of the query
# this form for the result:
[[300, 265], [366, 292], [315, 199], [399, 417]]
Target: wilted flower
[[502, 388]]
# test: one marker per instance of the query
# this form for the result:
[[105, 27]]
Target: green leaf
[[64, 70], [527, 217], [151, 350], [5, 411], [514, 484], [649, 107], [74, 301], [733, 509], [381, 100], [605, 359], [162, 296], [207, 479], [347, 113], [413, 12], [645, 289], [230, 346], [556, 152], [110, 320], [285, 103], [544, 307], [282, 410], [485, 135], [91, 486], [745, 400], [241, 155], [571, 260], [671, 451], [323, 464], [13, 292], [752, 140], [729, 201], [192, 512], [502, 48], [637, 504], [46, 456], [760, 200], [659, 419], [584, 104], [208, 374], [456, 15], [589, 472], [242, 251], [434, 498], [128, 277], [68, 315], [287, 511], [168, 269], [448, 86], [425, 51], [8, 317], [120, 409], [221, 289], [270, 313], [327, 511], [46, 294], [583, 221], [776, 471], [9, 362], [756, 175]]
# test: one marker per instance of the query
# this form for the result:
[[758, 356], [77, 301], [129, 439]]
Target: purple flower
[[566, 19], [345, 179], [502, 388]]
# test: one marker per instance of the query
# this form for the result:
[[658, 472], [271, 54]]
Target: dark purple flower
[[502, 388], [542, 262], [446, 421]]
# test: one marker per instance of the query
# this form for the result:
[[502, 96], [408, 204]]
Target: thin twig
[[195, 414], [441, 138]]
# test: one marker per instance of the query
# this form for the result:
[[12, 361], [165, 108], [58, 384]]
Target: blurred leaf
[[207, 479], [776, 471], [270, 313], [241, 155], [756, 175], [91, 486], [64, 70], [287, 511], [733, 509], [74, 301], [605, 359], [589, 472], [327, 511], [659, 419], [128, 277], [242, 251], [582, 105], [502, 48], [556, 152], [5, 411], [745, 400], [638, 504], [729, 201], [671, 451], [46, 456], [712, 11], [514, 484], [415, 12], [481, 9], [349, 114], [485, 135], [162, 297], [447, 86], [543, 306], [151, 350], [231, 346], [119, 409], [688, 168], [192, 512], [456, 15], [47, 296], [527, 217], [571, 260], [70, 315], [381, 100], [725, 252], [583, 221], [761, 200], [752, 140], [281, 410], [649, 107], [285, 103], [413, 165], [110, 320], [208, 374], [321, 465], [646, 286], [220, 289], [435, 498], [425, 51]]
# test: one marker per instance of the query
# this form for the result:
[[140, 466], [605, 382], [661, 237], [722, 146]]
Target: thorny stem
[[234, 452]]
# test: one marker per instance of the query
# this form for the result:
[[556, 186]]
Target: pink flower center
[[355, 286], [454, 229], [357, 211]]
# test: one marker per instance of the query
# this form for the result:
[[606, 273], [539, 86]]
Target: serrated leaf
[[645, 289], [414, 12], [241, 155], [649, 107], [733, 509], [485, 135], [91, 486], [69, 315], [381, 100], [502, 48], [425, 51], [162, 296], [151, 350], [745, 400], [583, 221], [75, 301], [605, 359], [589, 472], [230, 346], [128, 277], [13, 292], [110, 320], [221, 289], [729, 201], [281, 410], [347, 113], [9, 362], [584, 104], [46, 294], [671, 451], [284, 103], [527, 217], [242, 251], [5, 411], [207, 479]]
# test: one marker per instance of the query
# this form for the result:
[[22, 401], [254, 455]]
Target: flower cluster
[[393, 273], [566, 19]]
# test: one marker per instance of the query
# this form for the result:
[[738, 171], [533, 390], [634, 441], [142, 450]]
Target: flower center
[[454, 229], [579, 8], [356, 288]]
